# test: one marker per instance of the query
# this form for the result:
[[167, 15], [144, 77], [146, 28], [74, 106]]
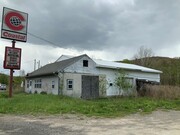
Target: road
[[157, 123]]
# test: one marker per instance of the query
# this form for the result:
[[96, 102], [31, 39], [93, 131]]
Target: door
[[90, 87]]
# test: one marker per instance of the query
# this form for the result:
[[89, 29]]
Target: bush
[[162, 91], [43, 93]]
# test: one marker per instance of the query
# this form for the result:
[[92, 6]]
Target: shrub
[[121, 81], [43, 93], [162, 91]]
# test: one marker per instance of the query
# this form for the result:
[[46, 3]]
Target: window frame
[[68, 88], [85, 63], [53, 85], [38, 83], [28, 84]]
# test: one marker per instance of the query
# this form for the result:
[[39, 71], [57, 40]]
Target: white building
[[86, 78]]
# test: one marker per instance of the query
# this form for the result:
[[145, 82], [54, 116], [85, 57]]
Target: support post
[[11, 74]]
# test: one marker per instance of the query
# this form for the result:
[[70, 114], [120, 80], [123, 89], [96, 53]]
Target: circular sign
[[14, 21]]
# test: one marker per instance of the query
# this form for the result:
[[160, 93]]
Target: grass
[[36, 104]]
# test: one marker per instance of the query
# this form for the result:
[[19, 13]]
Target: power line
[[38, 37]]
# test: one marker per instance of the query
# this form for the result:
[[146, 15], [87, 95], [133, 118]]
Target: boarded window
[[85, 63], [69, 84]]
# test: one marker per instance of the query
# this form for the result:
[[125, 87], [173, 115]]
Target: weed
[[162, 91]]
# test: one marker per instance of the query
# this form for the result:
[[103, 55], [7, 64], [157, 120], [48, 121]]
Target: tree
[[143, 55]]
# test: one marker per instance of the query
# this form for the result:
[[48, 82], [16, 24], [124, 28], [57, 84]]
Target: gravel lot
[[157, 123]]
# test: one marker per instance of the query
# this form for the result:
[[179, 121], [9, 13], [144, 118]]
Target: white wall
[[46, 85], [77, 67], [111, 75], [144, 75], [77, 85]]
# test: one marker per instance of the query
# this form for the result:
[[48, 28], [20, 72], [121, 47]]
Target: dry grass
[[162, 91]]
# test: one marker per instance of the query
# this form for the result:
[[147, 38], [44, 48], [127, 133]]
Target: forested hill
[[169, 66]]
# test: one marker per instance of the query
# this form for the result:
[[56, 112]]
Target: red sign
[[14, 25], [12, 58]]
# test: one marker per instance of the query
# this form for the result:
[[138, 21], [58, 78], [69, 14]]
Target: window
[[69, 84], [85, 63], [53, 84], [27, 84], [30, 83], [37, 83]]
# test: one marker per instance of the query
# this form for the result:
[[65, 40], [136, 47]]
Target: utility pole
[[34, 64], [38, 64]]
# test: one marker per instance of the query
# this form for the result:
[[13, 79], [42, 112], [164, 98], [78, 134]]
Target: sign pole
[[14, 27], [11, 74]]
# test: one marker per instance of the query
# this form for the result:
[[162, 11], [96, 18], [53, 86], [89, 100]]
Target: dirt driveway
[[157, 123]]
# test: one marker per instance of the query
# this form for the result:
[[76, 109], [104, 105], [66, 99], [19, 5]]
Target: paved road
[[157, 123]]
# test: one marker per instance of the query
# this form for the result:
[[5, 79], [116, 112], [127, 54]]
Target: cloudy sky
[[103, 29]]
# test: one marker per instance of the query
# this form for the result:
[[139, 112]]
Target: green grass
[[36, 104]]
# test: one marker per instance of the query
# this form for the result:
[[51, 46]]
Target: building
[[86, 78]]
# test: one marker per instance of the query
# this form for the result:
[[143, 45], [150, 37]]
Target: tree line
[[169, 66]]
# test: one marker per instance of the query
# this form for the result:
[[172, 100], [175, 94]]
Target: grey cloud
[[88, 25]]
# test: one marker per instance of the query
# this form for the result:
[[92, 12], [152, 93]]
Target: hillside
[[17, 80], [169, 66]]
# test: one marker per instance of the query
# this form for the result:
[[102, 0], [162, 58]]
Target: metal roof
[[116, 65], [119, 65]]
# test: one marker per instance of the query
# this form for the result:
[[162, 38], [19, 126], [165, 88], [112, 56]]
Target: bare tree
[[143, 55]]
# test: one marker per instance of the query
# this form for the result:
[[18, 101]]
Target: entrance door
[[90, 87]]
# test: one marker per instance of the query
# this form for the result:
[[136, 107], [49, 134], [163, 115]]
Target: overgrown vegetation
[[121, 81], [3, 79], [162, 91], [107, 107]]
